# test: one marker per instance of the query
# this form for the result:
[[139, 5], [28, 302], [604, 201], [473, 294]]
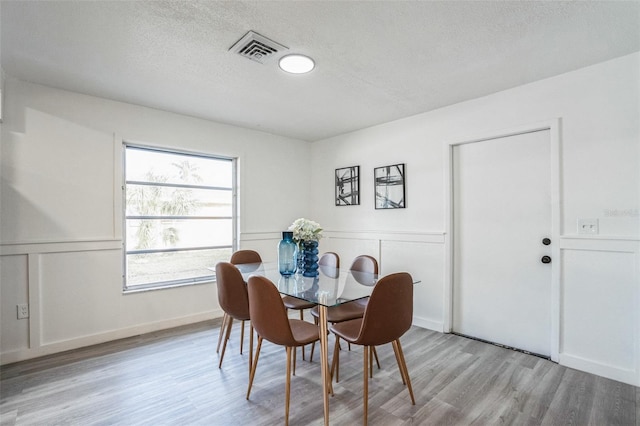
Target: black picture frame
[[389, 184], [348, 186]]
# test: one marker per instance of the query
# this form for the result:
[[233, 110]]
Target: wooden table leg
[[324, 360]]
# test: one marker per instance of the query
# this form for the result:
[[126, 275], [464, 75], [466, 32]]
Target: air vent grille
[[257, 47]]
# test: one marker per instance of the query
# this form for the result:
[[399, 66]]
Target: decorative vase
[[287, 255], [300, 259], [310, 250]]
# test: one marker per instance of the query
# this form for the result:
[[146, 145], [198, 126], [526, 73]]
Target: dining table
[[331, 287]]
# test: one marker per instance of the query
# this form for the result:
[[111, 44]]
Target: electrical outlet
[[588, 226], [23, 311]]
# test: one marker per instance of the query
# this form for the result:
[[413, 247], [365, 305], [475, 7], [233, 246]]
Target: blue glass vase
[[310, 250], [287, 254]]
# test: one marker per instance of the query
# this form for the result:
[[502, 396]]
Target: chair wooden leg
[[405, 369], [302, 347], [406, 372], [375, 354], [365, 391], [241, 337], [250, 346], [287, 388], [253, 366], [402, 373], [226, 339], [313, 345], [335, 363], [294, 360], [222, 328]]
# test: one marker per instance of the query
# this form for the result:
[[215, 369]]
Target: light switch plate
[[588, 226]]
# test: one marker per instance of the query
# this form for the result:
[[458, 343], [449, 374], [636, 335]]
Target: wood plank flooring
[[172, 378]]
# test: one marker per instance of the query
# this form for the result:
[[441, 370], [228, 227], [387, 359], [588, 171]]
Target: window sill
[[151, 287]]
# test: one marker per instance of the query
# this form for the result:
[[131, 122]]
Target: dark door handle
[[546, 259], [546, 241]]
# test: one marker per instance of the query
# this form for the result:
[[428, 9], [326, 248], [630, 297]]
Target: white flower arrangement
[[305, 230]]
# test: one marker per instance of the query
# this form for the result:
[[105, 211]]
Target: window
[[179, 216]]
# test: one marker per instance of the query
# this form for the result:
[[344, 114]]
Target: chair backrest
[[330, 259], [245, 256], [232, 291], [268, 314], [389, 313], [365, 263], [328, 264], [363, 269]]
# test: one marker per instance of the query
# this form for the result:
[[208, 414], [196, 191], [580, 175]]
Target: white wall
[[599, 112], [61, 222], [1, 77]]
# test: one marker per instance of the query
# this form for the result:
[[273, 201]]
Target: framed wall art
[[348, 186], [389, 182]]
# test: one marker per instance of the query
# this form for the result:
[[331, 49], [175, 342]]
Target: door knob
[[546, 241], [546, 259]]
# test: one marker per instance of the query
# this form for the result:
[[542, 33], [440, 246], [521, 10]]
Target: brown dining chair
[[270, 320], [245, 256], [327, 260], [234, 301], [388, 315], [367, 266], [238, 258]]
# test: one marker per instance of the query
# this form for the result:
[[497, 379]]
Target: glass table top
[[331, 287]]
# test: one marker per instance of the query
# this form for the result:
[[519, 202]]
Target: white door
[[501, 215]]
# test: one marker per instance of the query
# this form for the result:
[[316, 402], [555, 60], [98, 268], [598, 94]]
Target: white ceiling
[[376, 60]]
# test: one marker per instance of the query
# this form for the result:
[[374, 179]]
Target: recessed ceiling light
[[296, 64]]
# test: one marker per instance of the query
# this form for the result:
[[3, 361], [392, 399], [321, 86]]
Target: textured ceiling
[[376, 61]]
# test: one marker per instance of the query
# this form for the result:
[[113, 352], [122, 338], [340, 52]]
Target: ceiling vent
[[257, 48]]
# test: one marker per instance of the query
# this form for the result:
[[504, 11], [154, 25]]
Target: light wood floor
[[172, 378]]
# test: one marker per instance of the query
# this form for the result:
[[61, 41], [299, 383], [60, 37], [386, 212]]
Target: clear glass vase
[[300, 269]]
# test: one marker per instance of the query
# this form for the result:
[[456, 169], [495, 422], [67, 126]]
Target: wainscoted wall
[[420, 254], [74, 292], [600, 305]]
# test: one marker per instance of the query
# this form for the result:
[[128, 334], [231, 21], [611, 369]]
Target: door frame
[[554, 128]]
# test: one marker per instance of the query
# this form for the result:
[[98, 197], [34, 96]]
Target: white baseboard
[[630, 377], [428, 324], [94, 339]]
